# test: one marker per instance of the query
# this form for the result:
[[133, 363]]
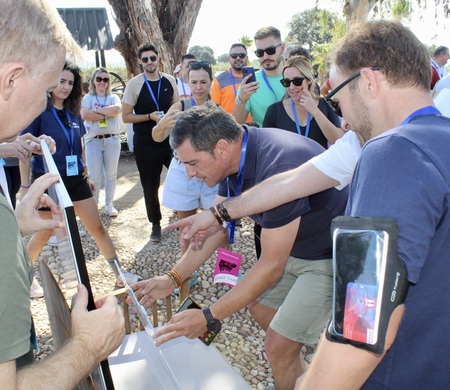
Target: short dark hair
[[238, 45], [299, 51], [402, 58], [204, 126], [439, 50], [188, 56], [268, 31], [146, 47]]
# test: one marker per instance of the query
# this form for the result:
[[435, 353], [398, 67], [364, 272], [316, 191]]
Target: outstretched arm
[[273, 192]]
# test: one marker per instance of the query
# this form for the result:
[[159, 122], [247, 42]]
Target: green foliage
[[203, 53], [311, 27], [246, 41], [223, 58]]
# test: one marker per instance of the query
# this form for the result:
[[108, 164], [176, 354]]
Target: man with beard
[[255, 97], [225, 86], [147, 97]]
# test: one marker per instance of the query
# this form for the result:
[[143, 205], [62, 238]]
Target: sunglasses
[[270, 51], [100, 79], [199, 64], [151, 58], [335, 105], [62, 115], [297, 81], [236, 55]]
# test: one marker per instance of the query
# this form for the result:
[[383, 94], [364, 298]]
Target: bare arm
[[128, 116], [97, 114], [165, 124], [276, 247], [342, 366], [273, 192], [95, 335], [246, 90]]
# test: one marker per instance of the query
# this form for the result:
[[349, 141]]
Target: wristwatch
[[212, 324]]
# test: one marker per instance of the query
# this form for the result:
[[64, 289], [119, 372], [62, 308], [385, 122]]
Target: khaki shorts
[[303, 298]]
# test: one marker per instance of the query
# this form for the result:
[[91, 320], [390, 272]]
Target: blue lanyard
[[182, 85], [297, 125], [237, 192], [67, 132], [98, 101], [428, 110], [151, 92], [233, 82], [192, 102], [268, 84]]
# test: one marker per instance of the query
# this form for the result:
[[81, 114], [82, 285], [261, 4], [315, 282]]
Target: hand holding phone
[[246, 70], [189, 303]]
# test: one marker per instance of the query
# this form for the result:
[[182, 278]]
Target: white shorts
[[182, 193]]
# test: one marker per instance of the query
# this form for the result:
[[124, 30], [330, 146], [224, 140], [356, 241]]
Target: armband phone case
[[369, 280]]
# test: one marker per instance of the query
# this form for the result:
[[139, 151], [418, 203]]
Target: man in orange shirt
[[226, 84]]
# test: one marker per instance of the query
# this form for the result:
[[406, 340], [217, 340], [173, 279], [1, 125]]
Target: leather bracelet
[[149, 117], [223, 212], [216, 214], [174, 279]]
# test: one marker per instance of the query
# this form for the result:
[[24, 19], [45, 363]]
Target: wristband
[[176, 279], [149, 117], [21, 186], [223, 212], [216, 214]]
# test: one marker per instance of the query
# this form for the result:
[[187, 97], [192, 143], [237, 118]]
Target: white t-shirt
[[339, 161], [184, 90], [442, 83]]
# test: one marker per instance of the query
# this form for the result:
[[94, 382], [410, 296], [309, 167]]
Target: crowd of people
[[273, 149]]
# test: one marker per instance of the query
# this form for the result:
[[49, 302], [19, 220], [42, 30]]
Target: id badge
[[227, 267], [71, 165], [103, 123]]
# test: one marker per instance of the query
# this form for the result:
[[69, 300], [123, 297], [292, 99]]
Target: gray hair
[[204, 126], [33, 27]]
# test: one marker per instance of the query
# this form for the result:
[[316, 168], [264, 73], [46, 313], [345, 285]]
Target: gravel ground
[[241, 340]]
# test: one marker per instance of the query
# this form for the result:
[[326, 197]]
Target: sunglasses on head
[[335, 105], [297, 81], [100, 79], [199, 64], [236, 55], [270, 50], [151, 58]]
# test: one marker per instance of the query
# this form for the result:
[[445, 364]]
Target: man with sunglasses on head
[[255, 97], [147, 97], [184, 90], [225, 86]]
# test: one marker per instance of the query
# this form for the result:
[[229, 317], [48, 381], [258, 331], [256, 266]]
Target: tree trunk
[[167, 24], [357, 10]]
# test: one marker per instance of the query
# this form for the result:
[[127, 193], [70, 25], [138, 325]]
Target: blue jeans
[[102, 157]]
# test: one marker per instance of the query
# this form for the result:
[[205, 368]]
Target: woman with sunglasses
[[302, 111], [181, 193], [62, 121], [100, 110]]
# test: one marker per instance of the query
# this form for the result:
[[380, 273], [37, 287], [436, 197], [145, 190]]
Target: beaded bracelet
[[223, 212], [174, 279], [177, 275]]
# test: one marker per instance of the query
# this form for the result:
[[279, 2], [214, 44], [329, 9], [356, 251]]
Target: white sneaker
[[131, 279], [111, 210], [36, 290], [53, 241]]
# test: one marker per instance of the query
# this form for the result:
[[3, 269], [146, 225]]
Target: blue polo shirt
[[271, 151]]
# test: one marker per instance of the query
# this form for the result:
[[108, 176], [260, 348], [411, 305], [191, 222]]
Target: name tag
[[71, 165], [103, 123]]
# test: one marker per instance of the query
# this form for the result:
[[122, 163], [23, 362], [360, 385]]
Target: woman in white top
[[100, 110]]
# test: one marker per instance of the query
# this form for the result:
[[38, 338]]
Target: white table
[[135, 366]]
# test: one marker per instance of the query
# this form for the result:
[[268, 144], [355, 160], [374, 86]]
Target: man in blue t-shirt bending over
[[288, 290]]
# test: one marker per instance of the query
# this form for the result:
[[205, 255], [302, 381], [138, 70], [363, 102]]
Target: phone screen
[[360, 262], [189, 303]]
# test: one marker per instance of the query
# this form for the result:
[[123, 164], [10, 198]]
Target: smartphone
[[189, 303], [246, 70]]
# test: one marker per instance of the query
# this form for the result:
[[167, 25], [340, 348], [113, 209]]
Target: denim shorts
[[303, 298]]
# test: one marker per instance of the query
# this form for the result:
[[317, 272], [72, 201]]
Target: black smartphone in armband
[[246, 70], [207, 337]]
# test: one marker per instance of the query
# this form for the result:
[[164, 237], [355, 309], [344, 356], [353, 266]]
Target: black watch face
[[214, 326]]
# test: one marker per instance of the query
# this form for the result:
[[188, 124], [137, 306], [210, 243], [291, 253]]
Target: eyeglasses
[[151, 58], [199, 64], [270, 50], [100, 79], [297, 81], [236, 55], [335, 105]]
